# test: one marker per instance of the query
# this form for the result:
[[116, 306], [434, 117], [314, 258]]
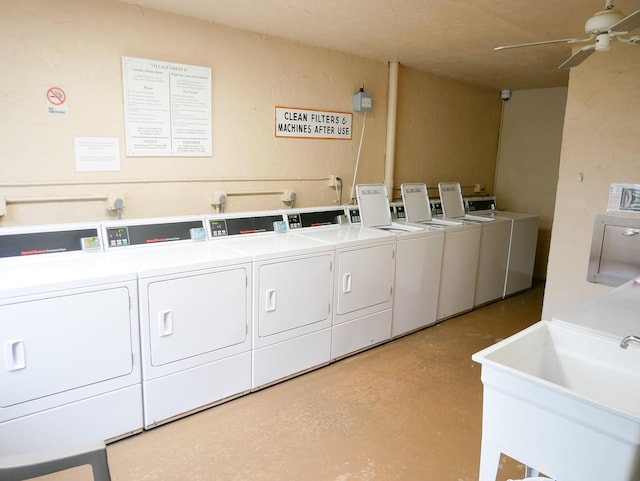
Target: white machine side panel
[[364, 277], [57, 344], [196, 314], [492, 263], [459, 269], [293, 293], [417, 283], [522, 256]]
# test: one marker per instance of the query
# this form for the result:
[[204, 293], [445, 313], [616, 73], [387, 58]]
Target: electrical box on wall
[[362, 101]]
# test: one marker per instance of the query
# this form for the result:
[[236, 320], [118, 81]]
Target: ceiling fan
[[603, 26]]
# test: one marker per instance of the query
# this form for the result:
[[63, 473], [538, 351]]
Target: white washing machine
[[363, 276], [70, 364], [195, 314], [292, 293], [459, 255], [522, 248], [418, 262], [494, 244]]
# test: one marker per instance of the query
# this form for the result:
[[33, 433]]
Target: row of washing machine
[[523, 233], [113, 328]]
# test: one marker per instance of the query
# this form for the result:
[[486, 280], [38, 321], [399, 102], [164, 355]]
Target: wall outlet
[[333, 180]]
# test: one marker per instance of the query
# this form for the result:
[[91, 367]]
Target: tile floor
[[410, 410]]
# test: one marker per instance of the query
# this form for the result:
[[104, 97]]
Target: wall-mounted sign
[[96, 154], [312, 124], [167, 108], [56, 101]]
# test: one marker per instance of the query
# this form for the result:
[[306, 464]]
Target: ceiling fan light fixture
[[603, 42]]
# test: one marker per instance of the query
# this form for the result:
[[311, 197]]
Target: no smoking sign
[[56, 100]]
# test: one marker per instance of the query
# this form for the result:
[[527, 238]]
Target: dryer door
[[293, 293], [59, 342], [195, 314], [364, 277]]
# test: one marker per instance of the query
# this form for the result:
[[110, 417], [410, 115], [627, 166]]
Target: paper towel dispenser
[[615, 250]]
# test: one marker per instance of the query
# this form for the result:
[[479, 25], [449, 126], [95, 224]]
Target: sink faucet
[[625, 342]]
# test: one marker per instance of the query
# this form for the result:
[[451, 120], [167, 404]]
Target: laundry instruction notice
[[167, 108]]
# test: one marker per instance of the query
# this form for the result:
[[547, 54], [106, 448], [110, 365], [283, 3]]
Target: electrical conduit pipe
[[389, 160]]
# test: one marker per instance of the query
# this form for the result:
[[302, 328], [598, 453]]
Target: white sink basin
[[564, 401]]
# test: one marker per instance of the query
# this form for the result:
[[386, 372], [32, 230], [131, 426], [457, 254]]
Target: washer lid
[[451, 198], [417, 207], [374, 205]]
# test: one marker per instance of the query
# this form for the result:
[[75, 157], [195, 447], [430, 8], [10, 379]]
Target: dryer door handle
[[14, 357], [270, 300], [165, 323], [346, 283]]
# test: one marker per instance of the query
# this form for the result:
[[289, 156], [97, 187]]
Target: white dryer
[[418, 262], [292, 293], [363, 276], [195, 314], [494, 244], [522, 248], [459, 256], [70, 364]]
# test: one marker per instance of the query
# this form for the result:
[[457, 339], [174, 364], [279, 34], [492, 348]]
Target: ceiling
[[450, 38]]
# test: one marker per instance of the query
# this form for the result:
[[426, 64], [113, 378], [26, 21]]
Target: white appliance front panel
[[459, 270], [108, 415], [190, 390], [293, 293], [522, 254], [417, 282], [196, 314], [522, 249], [492, 262], [293, 356], [64, 341], [364, 277], [360, 333]]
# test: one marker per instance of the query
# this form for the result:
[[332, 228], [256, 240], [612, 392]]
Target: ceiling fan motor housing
[[602, 21]]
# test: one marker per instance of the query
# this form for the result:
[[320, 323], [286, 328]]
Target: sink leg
[[489, 463]]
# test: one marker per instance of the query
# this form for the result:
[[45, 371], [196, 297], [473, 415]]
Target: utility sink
[[562, 400]]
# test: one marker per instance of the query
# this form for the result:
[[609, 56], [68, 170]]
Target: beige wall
[[601, 141], [78, 45], [443, 126], [529, 158], [446, 131]]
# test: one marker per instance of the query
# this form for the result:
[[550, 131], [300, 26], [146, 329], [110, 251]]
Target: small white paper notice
[[624, 198], [97, 154]]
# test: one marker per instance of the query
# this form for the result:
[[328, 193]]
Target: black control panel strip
[[36, 243], [151, 233], [243, 225]]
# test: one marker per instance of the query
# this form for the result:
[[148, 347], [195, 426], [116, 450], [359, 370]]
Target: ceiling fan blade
[[532, 44], [578, 57], [628, 23]]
